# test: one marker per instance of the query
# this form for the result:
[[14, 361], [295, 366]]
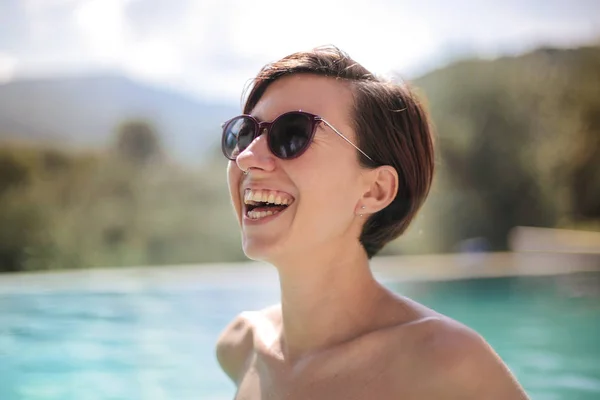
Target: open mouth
[[264, 203]]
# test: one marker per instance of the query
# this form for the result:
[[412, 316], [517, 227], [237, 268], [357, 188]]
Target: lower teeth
[[260, 214]]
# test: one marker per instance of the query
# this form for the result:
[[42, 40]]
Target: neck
[[326, 300]]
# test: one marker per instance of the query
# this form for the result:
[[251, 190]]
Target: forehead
[[320, 95]]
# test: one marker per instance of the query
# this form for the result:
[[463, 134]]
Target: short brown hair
[[391, 125]]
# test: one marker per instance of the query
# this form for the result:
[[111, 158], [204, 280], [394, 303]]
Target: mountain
[[85, 111]]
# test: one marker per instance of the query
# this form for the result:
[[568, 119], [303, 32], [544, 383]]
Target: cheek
[[330, 193]]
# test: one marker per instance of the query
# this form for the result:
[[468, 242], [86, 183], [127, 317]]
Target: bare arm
[[234, 347]]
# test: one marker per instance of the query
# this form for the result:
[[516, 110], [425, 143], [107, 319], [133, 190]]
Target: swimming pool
[[68, 337]]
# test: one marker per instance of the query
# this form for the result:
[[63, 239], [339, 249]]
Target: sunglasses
[[288, 135]]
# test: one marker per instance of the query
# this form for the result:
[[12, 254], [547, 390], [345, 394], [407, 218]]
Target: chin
[[261, 249], [257, 250]]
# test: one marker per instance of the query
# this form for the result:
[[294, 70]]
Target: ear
[[382, 188]]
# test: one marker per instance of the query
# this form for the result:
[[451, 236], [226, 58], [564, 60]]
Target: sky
[[210, 48]]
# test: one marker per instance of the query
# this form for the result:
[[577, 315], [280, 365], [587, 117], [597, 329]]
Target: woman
[[327, 165]]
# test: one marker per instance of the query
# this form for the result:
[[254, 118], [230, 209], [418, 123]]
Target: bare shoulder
[[460, 364], [236, 342], [234, 345]]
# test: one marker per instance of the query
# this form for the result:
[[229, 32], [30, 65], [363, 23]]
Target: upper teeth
[[266, 196]]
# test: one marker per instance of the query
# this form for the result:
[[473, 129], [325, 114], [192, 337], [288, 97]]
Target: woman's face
[[322, 187]]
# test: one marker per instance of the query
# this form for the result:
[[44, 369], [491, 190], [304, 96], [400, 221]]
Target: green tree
[[137, 142], [518, 143], [13, 173]]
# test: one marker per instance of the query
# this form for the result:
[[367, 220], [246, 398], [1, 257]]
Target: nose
[[257, 155]]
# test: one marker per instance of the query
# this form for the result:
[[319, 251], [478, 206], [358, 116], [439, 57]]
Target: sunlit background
[[122, 258]]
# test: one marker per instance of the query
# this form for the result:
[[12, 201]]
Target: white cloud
[[249, 34], [154, 59], [44, 4], [8, 67], [379, 39], [104, 29], [111, 41], [212, 47]]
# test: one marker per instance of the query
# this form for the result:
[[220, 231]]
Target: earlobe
[[362, 210]]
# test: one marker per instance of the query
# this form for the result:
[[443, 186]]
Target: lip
[[249, 221]]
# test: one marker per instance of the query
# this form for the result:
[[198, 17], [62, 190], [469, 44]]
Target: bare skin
[[338, 333]]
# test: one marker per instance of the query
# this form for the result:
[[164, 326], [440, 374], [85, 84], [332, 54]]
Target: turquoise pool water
[[154, 342]]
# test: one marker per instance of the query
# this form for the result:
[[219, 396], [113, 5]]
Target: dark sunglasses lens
[[237, 135], [290, 135]]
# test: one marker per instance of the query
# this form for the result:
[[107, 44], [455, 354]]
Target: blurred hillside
[[83, 112], [518, 144]]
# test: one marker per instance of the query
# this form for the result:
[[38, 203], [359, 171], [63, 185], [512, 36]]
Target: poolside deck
[[535, 251], [394, 268], [483, 265], [540, 252]]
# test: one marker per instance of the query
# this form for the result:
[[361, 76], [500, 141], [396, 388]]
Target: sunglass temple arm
[[345, 138]]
